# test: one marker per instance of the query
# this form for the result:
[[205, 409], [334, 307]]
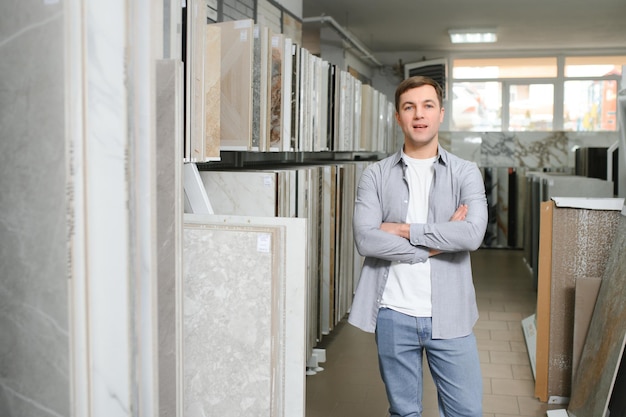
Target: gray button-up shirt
[[383, 196]]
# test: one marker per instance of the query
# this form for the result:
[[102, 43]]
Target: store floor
[[350, 385]]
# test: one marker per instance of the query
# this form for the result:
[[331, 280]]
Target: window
[[531, 107], [535, 94]]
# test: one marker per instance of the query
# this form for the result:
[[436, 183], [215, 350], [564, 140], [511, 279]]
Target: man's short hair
[[414, 82]]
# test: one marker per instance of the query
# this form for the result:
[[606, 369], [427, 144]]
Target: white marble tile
[[228, 351], [244, 321], [250, 193]]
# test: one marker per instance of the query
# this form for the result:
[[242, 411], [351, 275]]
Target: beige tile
[[498, 345], [487, 386], [512, 387], [506, 316], [532, 407], [482, 334], [500, 404], [511, 358], [517, 346], [490, 370], [522, 372], [508, 335], [492, 325]]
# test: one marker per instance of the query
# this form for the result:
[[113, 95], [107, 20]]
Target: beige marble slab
[[196, 45], [286, 91], [212, 92], [236, 84], [292, 28]]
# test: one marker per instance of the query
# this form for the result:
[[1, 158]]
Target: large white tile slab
[[244, 321]]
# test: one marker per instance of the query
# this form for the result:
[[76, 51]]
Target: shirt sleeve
[[368, 216]]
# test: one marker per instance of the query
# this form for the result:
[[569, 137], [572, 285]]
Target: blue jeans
[[454, 365]]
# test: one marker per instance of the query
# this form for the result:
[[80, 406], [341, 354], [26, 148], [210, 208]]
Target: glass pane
[[590, 105], [531, 107], [504, 68], [476, 107], [594, 66]]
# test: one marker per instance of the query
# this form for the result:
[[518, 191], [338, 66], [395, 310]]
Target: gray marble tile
[[169, 224], [34, 346]]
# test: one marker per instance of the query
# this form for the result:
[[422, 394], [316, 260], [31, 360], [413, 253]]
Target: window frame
[[558, 83]]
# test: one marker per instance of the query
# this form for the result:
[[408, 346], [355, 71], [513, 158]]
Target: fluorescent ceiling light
[[472, 35]]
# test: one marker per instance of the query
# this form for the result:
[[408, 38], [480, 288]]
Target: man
[[418, 214]]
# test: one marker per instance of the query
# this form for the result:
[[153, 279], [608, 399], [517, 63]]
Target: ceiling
[[412, 30]]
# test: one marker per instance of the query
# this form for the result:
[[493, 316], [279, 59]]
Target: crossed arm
[[403, 229]]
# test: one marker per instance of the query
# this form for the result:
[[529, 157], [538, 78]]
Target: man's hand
[[459, 214]]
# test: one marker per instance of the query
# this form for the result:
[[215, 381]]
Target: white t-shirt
[[408, 285]]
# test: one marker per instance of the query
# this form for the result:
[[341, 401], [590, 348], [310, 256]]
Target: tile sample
[[228, 354], [586, 296], [260, 89], [581, 242], [212, 92], [169, 131], [37, 214], [196, 51], [277, 70], [244, 321], [249, 193], [236, 84], [604, 346], [286, 92]]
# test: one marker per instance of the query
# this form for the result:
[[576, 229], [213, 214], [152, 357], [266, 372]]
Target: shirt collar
[[442, 156]]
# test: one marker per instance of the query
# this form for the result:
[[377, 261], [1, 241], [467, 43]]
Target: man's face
[[419, 115]]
